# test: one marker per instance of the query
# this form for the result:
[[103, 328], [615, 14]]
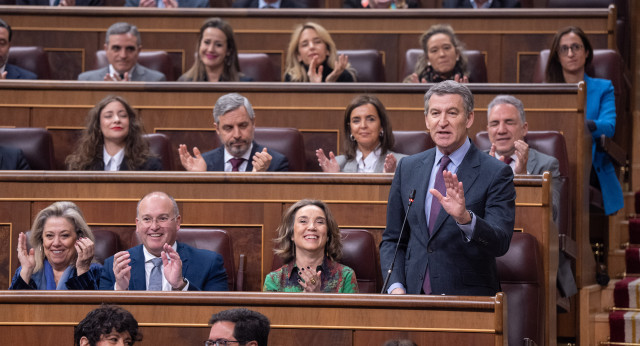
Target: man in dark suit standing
[[122, 46], [12, 159], [160, 263], [269, 4], [464, 209], [234, 121], [8, 71]]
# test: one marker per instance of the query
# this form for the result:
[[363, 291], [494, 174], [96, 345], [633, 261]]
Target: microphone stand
[[393, 261]]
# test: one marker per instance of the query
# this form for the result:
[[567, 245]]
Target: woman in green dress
[[309, 244]]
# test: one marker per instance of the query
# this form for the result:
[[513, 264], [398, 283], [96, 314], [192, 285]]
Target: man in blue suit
[[8, 71], [464, 209], [161, 263], [234, 121]]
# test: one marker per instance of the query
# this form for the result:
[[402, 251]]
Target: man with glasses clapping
[[160, 263]]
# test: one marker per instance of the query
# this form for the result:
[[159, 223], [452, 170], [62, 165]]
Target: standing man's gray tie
[[155, 278]]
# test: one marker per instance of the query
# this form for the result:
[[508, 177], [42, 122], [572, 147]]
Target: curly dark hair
[[387, 139], [423, 62], [104, 320], [286, 249], [231, 71], [88, 151], [553, 73]]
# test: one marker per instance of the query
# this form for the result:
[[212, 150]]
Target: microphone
[[412, 195]]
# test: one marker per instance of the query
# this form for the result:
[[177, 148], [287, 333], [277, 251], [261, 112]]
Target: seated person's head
[[506, 123], [157, 213], [57, 227], [366, 126], [569, 54], [5, 41], [243, 325], [234, 122], [309, 41], [107, 325], [442, 51], [123, 45], [217, 49], [291, 232]]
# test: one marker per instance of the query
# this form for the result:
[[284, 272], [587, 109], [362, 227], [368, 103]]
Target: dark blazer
[[12, 159], [215, 159], [457, 266], [358, 4], [140, 74], [46, 2], [467, 4], [254, 4], [203, 268], [153, 164], [15, 72]]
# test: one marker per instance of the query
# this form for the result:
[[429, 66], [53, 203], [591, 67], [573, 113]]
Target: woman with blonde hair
[[216, 55], [442, 58], [61, 257], [309, 244], [312, 57], [112, 140]]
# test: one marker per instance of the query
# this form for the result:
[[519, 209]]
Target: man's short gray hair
[[450, 87], [509, 100], [174, 205], [230, 102], [122, 28]]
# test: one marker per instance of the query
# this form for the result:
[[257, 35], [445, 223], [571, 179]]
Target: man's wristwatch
[[470, 217], [182, 286]]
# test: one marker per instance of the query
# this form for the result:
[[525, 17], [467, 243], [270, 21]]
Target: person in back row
[[161, 263], [368, 139], [217, 55], [312, 57], [112, 140], [122, 46], [267, 4], [234, 120], [9, 71], [442, 57]]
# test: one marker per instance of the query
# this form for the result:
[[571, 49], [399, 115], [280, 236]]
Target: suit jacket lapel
[[421, 183], [138, 275], [254, 149], [184, 258], [532, 161]]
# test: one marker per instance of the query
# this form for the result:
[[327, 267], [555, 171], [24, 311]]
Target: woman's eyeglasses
[[564, 50]]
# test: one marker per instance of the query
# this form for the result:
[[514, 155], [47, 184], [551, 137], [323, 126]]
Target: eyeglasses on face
[[160, 220], [564, 50], [220, 342]]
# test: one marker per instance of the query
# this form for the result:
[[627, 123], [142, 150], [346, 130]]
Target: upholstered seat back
[[521, 278], [32, 58], [360, 253], [412, 142], [287, 141], [156, 60], [259, 67], [36, 145], [475, 63], [160, 146], [367, 63]]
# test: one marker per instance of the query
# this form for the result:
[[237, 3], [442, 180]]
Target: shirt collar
[[246, 156], [112, 71], [148, 256], [368, 165], [117, 160], [457, 156], [293, 268]]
